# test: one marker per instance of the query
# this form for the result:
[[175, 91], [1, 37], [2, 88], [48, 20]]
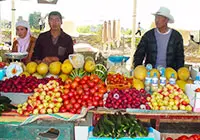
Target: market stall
[[60, 94]]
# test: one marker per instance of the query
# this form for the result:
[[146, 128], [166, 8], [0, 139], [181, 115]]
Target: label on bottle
[[172, 81], [162, 81]]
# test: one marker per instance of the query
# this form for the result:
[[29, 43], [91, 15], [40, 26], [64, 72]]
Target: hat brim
[[170, 17]]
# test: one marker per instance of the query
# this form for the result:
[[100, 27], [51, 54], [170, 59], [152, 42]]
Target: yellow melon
[[66, 67], [140, 72], [138, 84], [31, 67], [154, 71], [54, 67], [169, 71], [181, 84], [183, 73], [42, 68]]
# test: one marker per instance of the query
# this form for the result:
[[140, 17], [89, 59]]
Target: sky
[[185, 12]]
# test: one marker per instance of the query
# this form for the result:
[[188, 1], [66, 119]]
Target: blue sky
[[185, 12]]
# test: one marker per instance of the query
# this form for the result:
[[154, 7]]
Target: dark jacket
[[44, 46], [147, 50]]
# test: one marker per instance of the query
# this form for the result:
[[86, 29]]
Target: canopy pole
[[13, 30], [133, 48]]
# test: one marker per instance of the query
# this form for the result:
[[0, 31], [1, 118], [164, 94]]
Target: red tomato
[[80, 91], [82, 82], [97, 98], [74, 84], [92, 90], [62, 109], [184, 137], [67, 86], [169, 138], [101, 103], [66, 102], [71, 94], [68, 81], [86, 78], [79, 101], [77, 105], [77, 79], [69, 107], [66, 91], [193, 137], [102, 90], [90, 83], [95, 103], [65, 96], [85, 97], [73, 100]]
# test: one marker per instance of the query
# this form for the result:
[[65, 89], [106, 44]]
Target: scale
[[119, 62], [15, 68]]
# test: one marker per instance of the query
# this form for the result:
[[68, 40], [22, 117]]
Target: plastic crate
[[153, 135], [37, 130], [164, 136], [16, 98]]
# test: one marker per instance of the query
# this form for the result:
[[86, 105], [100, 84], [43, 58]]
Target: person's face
[[21, 31], [161, 21], [55, 22]]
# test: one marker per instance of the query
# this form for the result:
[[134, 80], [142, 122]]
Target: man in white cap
[[161, 46]]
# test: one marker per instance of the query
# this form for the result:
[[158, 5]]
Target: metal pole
[[133, 32], [13, 30]]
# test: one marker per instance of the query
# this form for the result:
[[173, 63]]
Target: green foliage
[[126, 31], [34, 20]]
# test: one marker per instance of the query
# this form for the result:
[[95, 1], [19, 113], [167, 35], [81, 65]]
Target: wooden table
[[158, 116]]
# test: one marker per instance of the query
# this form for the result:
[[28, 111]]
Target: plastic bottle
[[162, 78], [172, 79], [149, 67], [197, 80], [148, 83], [154, 84]]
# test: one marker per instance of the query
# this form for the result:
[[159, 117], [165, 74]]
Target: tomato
[[67, 86], [184, 137], [62, 109], [71, 94], [80, 91], [95, 103], [73, 111], [90, 83], [86, 78], [77, 79], [82, 82], [74, 84], [69, 107], [66, 91], [101, 103], [77, 97], [169, 138], [84, 103], [102, 90], [68, 81], [87, 92], [79, 101], [77, 105], [85, 86], [97, 98], [65, 96], [85, 97], [92, 90], [193, 137], [73, 100], [66, 102]]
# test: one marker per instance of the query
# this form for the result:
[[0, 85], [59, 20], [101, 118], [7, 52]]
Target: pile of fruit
[[170, 97], [46, 99], [23, 84], [83, 92], [119, 125], [118, 81], [128, 98]]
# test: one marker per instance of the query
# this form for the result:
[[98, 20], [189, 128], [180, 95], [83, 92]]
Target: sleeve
[[179, 52], [140, 52], [37, 49]]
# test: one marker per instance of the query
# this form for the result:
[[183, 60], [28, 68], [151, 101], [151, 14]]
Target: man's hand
[[48, 60]]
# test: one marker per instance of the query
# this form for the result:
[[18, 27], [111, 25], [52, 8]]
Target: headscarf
[[23, 43]]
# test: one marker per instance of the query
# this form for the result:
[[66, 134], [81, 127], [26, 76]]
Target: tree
[[34, 20]]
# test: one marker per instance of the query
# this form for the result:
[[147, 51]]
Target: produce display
[[170, 97], [128, 98], [83, 92], [119, 125], [23, 84]]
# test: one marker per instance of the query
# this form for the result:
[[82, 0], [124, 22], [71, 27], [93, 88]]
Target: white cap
[[23, 23]]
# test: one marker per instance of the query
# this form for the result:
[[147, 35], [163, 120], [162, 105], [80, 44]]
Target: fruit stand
[[60, 94]]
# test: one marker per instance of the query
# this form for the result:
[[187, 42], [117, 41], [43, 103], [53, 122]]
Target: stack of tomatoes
[[184, 137], [118, 79], [83, 92]]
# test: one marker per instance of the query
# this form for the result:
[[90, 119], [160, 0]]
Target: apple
[[49, 111], [188, 108], [51, 105], [55, 109], [182, 107], [42, 111], [35, 111]]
